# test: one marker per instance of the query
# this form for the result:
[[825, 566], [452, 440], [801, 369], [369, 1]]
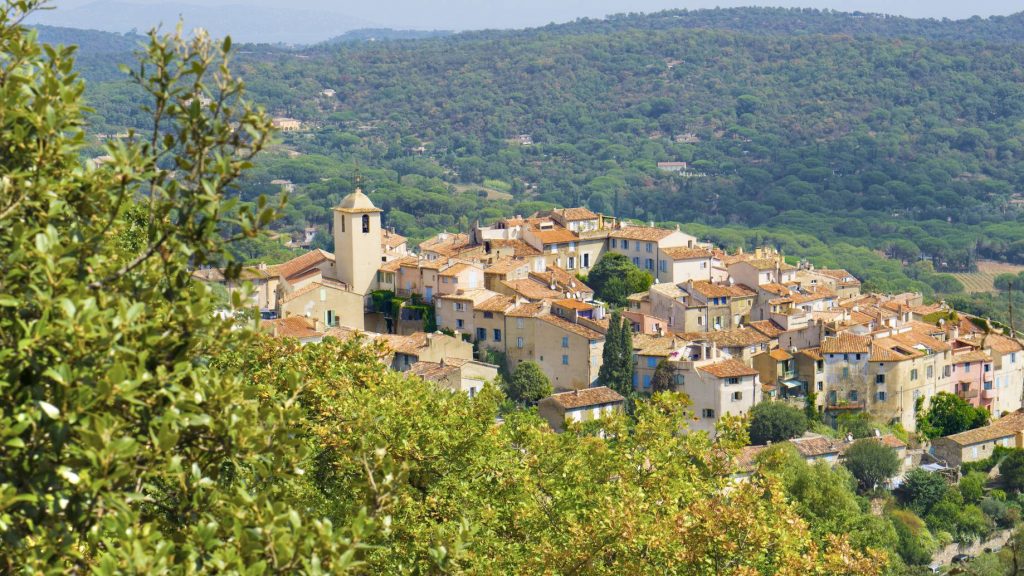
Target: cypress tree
[[625, 357], [608, 375]]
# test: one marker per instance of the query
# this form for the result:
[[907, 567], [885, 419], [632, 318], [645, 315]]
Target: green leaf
[[50, 409]]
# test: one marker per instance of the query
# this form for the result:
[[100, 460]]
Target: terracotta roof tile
[[644, 233], [586, 397], [816, 446], [457, 268], [555, 236], [652, 345], [498, 303], [728, 368], [846, 344], [291, 327], [684, 253], [780, 354], [571, 304], [506, 265], [745, 336], [572, 327], [532, 290], [527, 310], [394, 265], [576, 214], [709, 290], [997, 342], [812, 353], [1008, 425], [519, 247], [300, 263], [434, 371], [392, 240], [447, 246], [972, 356], [767, 327]]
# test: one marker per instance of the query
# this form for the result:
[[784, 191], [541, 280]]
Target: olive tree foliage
[[457, 494], [122, 449]]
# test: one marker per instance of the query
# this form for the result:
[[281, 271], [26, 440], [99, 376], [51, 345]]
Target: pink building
[[972, 377], [645, 323]]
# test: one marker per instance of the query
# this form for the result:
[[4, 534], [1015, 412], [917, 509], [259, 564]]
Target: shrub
[[871, 463], [921, 490], [972, 487], [775, 422]]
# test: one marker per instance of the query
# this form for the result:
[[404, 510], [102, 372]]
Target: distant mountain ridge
[[374, 34], [274, 25]]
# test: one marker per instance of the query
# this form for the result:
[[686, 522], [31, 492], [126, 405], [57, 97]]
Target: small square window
[[565, 359], [708, 413]]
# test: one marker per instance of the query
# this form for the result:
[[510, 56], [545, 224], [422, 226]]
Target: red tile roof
[[300, 264], [291, 327], [644, 233], [846, 344], [728, 368], [684, 253], [586, 397]]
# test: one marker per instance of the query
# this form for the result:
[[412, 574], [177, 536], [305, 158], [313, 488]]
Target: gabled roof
[[291, 327], [652, 345], [571, 304], [728, 368], [315, 285], [972, 356], [527, 310], [531, 290], [575, 214], [816, 446], [555, 235], [1008, 425], [506, 265], [448, 245], [780, 355], [567, 326], [812, 353], [392, 240], [299, 264], [734, 337], [846, 343], [519, 247], [394, 265], [997, 342], [457, 268], [767, 327], [586, 397], [498, 303], [709, 290], [644, 233], [435, 371], [684, 253]]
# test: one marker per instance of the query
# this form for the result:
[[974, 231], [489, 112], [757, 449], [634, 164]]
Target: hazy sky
[[268, 19]]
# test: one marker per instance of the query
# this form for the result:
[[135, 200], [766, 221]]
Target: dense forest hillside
[[882, 134]]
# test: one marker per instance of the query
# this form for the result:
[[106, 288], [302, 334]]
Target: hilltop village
[[735, 329]]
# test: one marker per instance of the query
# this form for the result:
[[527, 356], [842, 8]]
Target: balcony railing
[[988, 394], [967, 394]]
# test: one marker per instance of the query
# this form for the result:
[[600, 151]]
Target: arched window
[[366, 223]]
